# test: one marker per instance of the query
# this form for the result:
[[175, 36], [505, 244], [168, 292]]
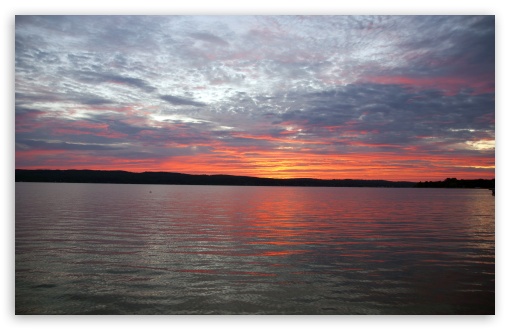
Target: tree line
[[454, 183], [125, 177], [97, 176]]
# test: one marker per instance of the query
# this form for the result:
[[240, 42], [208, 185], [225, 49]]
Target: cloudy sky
[[361, 97]]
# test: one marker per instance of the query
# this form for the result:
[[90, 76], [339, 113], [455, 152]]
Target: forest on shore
[[98, 176], [454, 183], [125, 177]]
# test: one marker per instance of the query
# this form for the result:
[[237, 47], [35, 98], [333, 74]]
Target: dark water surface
[[147, 249]]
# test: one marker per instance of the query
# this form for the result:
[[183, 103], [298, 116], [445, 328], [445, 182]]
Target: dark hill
[[454, 183], [95, 176]]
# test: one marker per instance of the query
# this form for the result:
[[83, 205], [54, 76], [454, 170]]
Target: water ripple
[[116, 249]]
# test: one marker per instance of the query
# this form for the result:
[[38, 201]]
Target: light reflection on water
[[147, 249]]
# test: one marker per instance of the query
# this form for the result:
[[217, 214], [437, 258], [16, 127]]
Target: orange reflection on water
[[281, 253], [275, 226]]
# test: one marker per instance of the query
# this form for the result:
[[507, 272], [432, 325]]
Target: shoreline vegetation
[[169, 178]]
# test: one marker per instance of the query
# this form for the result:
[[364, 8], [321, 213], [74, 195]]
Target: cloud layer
[[386, 97]]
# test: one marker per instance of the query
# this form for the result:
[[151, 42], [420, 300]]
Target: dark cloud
[[204, 36], [98, 77], [86, 99], [446, 45], [61, 145], [390, 114], [23, 98], [176, 100], [25, 117], [91, 100], [120, 123]]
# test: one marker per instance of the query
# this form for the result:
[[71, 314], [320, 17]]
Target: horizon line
[[246, 176]]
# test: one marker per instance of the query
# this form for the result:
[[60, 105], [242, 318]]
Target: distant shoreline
[[169, 178]]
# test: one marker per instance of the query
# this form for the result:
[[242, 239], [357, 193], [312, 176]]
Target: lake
[[169, 249]]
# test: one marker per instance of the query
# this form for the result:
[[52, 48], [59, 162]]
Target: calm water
[[146, 249]]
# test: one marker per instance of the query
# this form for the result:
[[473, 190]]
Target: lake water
[[164, 249]]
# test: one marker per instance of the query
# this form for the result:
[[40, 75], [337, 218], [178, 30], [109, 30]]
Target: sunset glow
[[331, 97]]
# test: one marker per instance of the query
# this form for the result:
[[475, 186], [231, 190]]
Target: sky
[[332, 97]]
